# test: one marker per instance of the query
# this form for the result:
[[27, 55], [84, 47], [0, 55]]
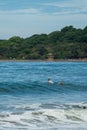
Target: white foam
[[40, 117]]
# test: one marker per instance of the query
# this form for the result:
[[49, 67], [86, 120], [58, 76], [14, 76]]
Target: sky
[[25, 18]]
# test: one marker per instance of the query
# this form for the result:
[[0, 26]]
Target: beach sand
[[45, 60]]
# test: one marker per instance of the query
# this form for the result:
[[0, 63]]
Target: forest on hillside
[[68, 43]]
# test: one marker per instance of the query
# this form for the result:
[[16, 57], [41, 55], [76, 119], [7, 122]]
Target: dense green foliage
[[67, 43]]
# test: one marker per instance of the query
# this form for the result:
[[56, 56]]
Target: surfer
[[50, 81], [60, 83]]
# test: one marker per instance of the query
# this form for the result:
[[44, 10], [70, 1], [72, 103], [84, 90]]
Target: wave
[[39, 87], [46, 116]]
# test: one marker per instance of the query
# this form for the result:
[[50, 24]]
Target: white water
[[39, 117]]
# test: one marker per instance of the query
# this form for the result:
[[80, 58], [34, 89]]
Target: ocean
[[28, 102]]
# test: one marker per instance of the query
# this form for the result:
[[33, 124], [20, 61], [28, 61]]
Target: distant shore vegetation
[[68, 43]]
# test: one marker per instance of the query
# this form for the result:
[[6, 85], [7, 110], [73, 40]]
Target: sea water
[[28, 102]]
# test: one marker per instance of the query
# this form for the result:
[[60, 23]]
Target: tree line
[[68, 43]]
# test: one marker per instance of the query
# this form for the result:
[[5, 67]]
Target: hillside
[[68, 43]]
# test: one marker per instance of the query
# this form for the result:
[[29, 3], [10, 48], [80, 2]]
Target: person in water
[[50, 81], [60, 83]]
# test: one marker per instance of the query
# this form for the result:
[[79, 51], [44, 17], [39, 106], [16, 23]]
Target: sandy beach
[[46, 60]]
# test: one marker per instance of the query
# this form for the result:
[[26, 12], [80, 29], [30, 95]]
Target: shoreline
[[45, 60]]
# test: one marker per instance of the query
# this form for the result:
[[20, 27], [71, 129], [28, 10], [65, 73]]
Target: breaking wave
[[45, 116]]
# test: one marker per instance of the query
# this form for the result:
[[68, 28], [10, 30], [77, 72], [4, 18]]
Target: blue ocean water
[[28, 102]]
